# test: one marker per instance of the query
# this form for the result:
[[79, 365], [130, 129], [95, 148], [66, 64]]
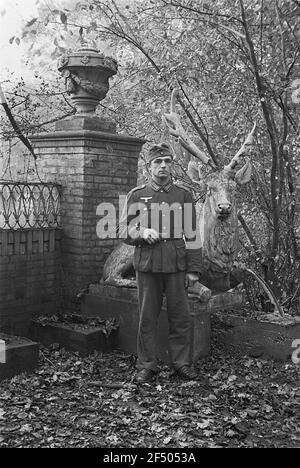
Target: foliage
[[235, 63]]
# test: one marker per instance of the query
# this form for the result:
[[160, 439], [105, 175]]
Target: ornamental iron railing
[[29, 205]]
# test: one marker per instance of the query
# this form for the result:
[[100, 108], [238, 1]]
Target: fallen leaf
[[203, 425], [25, 429], [232, 378]]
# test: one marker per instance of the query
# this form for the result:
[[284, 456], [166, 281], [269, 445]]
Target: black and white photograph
[[149, 227]]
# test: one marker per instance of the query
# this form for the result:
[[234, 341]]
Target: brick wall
[[30, 273], [92, 167]]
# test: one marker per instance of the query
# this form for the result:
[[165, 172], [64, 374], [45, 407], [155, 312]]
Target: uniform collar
[[167, 187]]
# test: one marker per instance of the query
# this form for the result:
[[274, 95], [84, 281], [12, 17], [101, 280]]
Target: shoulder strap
[[139, 187]]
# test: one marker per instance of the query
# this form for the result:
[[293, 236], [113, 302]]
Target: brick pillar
[[92, 167]]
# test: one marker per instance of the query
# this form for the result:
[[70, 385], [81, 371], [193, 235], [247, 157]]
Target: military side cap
[[159, 150]]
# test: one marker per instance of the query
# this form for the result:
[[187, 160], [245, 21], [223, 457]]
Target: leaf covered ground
[[91, 402]]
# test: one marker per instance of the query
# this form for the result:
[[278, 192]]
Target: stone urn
[[87, 74]]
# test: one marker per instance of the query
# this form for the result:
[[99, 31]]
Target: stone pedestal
[[121, 303], [92, 166]]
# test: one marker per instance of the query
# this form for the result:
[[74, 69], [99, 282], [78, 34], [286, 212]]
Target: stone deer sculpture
[[218, 222]]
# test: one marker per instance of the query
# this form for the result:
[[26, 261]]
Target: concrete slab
[[269, 336], [82, 340], [17, 355]]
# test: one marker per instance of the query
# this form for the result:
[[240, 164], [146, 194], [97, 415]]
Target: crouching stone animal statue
[[218, 223]]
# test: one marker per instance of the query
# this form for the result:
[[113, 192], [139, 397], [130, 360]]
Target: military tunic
[[161, 267], [149, 206]]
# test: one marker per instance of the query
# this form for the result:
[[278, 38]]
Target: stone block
[[78, 122], [109, 301], [225, 301], [84, 340], [17, 355], [200, 331], [269, 336]]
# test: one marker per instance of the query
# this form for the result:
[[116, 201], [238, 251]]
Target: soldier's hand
[[191, 279], [151, 236]]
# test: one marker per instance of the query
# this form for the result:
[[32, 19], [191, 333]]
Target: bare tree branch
[[15, 125]]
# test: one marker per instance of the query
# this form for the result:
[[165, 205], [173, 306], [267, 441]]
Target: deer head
[[220, 184]]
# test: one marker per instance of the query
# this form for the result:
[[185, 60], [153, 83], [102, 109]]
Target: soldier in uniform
[[160, 220]]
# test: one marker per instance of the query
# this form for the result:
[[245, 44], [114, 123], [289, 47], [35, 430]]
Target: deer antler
[[172, 120], [242, 151]]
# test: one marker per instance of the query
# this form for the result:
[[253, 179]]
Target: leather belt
[[145, 244]]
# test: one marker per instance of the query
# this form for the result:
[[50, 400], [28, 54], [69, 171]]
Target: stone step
[[84, 340]]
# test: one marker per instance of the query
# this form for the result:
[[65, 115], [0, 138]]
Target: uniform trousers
[[151, 287]]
